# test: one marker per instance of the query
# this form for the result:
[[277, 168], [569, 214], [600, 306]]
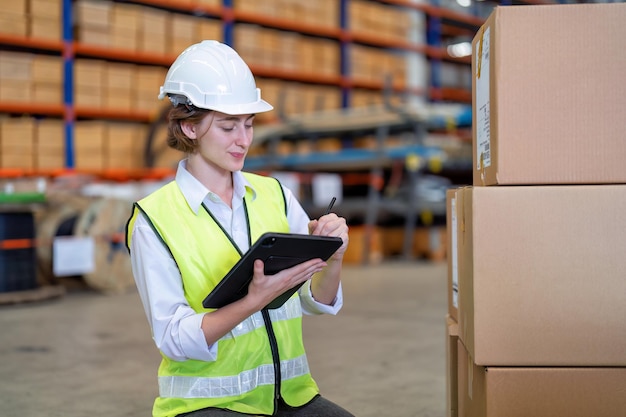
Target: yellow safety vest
[[266, 344]]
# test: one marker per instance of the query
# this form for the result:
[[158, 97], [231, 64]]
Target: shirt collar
[[195, 192]]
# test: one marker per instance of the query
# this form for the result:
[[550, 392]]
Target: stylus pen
[[330, 206]]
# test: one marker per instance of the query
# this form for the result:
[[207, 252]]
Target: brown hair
[[175, 137]]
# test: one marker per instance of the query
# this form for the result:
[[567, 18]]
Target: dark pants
[[318, 407]]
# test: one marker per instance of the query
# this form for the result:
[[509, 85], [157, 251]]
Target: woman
[[241, 359]]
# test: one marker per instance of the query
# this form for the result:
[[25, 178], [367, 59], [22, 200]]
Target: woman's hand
[[331, 225], [263, 289]]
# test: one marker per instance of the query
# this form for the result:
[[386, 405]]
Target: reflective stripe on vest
[[291, 310], [230, 386]]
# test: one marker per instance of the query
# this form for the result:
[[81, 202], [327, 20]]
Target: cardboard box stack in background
[[536, 272]]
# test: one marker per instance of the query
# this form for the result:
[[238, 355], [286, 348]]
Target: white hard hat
[[211, 75]]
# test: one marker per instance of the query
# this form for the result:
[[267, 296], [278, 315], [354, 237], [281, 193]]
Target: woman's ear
[[189, 129]]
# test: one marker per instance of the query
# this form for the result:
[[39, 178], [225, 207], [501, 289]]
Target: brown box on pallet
[[16, 90], [540, 391], [52, 9], [89, 139], [15, 6], [85, 96], [13, 24], [541, 279], [48, 69], [93, 13], [117, 99], [48, 93], [16, 159], [93, 35], [47, 76], [16, 142], [49, 144], [125, 138], [153, 33], [117, 75], [548, 95], [90, 73], [209, 29], [124, 146], [365, 245], [90, 136], [126, 16], [42, 27], [123, 38], [16, 65], [17, 131]]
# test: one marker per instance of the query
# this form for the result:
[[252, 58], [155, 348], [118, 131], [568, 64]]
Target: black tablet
[[278, 251]]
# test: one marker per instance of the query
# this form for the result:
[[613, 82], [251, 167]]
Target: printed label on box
[[483, 117], [455, 260]]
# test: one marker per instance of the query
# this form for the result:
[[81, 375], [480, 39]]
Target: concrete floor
[[87, 354]]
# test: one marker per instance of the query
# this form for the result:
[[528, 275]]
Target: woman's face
[[224, 140]]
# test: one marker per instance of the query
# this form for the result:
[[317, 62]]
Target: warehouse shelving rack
[[68, 48], [372, 162]]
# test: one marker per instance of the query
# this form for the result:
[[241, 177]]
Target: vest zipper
[[276, 357]]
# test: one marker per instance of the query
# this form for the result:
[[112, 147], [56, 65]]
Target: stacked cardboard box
[[536, 272], [102, 145], [323, 13], [92, 22], [378, 19], [47, 79], [16, 76], [45, 17], [13, 18], [16, 142]]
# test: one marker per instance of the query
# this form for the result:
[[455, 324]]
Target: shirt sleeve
[[299, 223], [176, 327]]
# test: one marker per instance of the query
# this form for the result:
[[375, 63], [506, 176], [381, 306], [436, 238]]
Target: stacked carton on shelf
[[536, 279]]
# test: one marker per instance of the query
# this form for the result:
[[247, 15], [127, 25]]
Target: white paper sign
[[483, 117], [325, 187], [291, 180], [73, 255]]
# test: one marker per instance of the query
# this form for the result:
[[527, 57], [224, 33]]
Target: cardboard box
[[13, 24], [123, 38], [93, 13], [548, 95], [48, 69], [452, 380], [365, 246], [538, 392], [210, 29], [542, 276], [16, 90], [51, 9], [16, 65], [120, 76], [90, 73], [49, 144], [127, 16], [49, 93], [46, 28], [16, 159], [15, 6]]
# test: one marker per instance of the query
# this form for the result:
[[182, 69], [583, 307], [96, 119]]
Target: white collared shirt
[[175, 325]]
